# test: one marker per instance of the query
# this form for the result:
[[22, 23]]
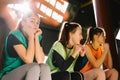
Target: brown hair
[[94, 31], [65, 30]]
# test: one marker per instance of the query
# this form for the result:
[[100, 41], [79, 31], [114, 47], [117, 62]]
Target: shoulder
[[15, 32], [58, 47], [57, 44], [87, 47], [11, 37]]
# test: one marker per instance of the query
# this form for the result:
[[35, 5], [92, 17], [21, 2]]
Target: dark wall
[[115, 15], [115, 12], [50, 35], [3, 33]]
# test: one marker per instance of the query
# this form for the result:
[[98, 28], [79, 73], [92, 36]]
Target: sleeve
[[12, 40], [59, 62], [80, 63]]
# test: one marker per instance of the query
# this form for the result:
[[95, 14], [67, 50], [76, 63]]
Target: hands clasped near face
[[79, 49]]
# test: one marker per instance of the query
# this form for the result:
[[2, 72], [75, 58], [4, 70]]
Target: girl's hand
[[82, 52], [105, 47], [77, 50], [37, 32]]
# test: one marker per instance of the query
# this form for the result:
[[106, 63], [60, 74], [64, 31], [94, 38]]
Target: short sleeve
[[12, 40]]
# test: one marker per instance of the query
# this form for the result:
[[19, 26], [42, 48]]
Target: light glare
[[49, 11], [43, 8]]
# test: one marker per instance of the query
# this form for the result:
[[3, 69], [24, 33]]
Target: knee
[[100, 72], [44, 66], [35, 66], [114, 71]]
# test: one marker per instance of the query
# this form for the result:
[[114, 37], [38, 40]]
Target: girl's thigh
[[94, 74], [19, 73]]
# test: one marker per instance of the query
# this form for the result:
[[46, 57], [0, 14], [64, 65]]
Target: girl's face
[[32, 22], [101, 38], [77, 36]]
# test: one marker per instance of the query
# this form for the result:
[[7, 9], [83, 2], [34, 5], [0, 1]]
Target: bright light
[[55, 10], [64, 7], [43, 8], [54, 15], [23, 8], [94, 7], [13, 14], [38, 4], [59, 18], [118, 35], [48, 12], [58, 5], [10, 5], [52, 2]]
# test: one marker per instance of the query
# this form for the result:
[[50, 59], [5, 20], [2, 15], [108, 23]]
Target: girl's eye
[[32, 21]]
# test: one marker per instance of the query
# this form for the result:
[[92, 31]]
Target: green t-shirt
[[11, 63], [59, 48]]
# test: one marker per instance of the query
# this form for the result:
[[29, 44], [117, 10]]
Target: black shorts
[[64, 75]]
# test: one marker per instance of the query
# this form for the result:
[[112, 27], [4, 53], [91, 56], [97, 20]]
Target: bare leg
[[94, 74], [111, 74]]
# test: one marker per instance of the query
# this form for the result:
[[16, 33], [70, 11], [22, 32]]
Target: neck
[[24, 33], [69, 46]]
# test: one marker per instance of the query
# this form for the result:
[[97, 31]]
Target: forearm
[[108, 61], [39, 54], [60, 62], [100, 60], [30, 51], [104, 53]]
